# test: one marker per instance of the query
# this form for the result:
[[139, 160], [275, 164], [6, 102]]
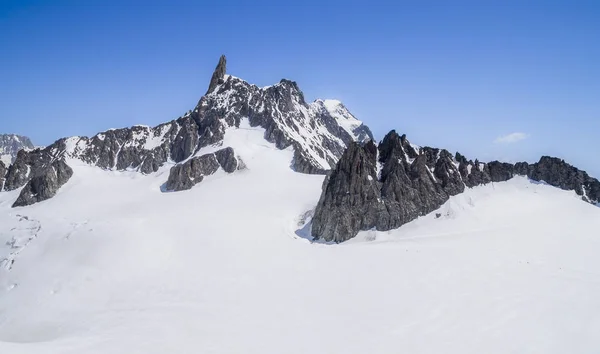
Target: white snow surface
[[6, 159], [113, 265]]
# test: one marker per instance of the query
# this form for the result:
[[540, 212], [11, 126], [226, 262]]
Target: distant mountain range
[[10, 144], [373, 186], [261, 223]]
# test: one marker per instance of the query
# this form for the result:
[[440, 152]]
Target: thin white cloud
[[511, 138]]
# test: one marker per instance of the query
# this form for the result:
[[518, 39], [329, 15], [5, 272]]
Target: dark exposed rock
[[351, 197], [409, 192], [460, 158], [500, 171], [556, 172], [592, 190], [413, 183], [479, 174], [391, 147], [184, 176], [44, 184], [448, 175], [302, 164], [521, 168], [28, 164], [218, 74], [186, 140], [227, 160]]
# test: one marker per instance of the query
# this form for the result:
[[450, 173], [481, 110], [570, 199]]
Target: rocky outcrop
[[556, 172], [44, 184], [351, 199], [218, 75], [500, 171], [227, 160], [411, 183], [184, 176], [522, 169], [415, 181], [28, 164], [318, 132]]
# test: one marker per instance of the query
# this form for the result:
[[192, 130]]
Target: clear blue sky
[[453, 74]]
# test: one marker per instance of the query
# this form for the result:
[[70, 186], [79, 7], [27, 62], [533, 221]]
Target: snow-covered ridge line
[[318, 132]]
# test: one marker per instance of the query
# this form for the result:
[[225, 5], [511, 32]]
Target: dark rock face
[[521, 168], [416, 181], [412, 183], [500, 171], [44, 184], [218, 75], [301, 163], [227, 160], [556, 172], [477, 173], [351, 195], [28, 164], [447, 173], [184, 176]]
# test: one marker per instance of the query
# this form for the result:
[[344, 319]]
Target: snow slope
[[113, 265]]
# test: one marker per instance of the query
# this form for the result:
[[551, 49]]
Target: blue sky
[[507, 79]]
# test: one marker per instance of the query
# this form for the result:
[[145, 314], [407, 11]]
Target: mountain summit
[[197, 235], [218, 75], [318, 133]]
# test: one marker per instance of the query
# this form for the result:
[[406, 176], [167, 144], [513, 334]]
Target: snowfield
[[114, 265]]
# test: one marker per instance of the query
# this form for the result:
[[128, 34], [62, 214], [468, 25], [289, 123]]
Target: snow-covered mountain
[[384, 187], [10, 144], [317, 132], [99, 255]]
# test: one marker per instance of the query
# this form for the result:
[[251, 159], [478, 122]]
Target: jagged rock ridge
[[45, 184], [184, 176], [415, 181], [319, 132]]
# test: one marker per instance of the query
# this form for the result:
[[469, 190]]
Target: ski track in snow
[[21, 233], [120, 267]]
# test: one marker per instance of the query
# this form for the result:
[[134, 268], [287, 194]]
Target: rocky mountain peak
[[317, 133], [218, 75]]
